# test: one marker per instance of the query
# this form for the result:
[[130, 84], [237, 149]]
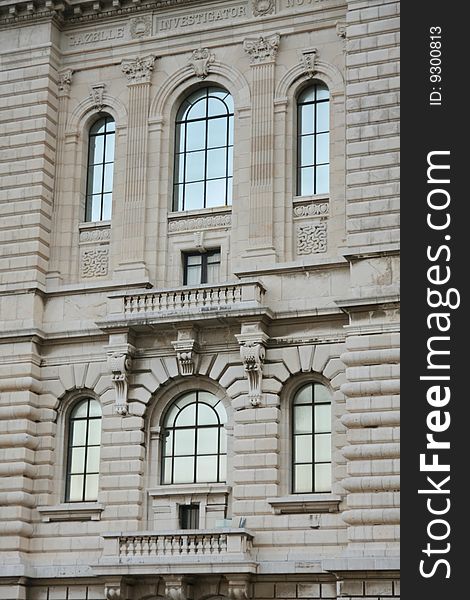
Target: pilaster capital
[[65, 82], [262, 50], [138, 70]]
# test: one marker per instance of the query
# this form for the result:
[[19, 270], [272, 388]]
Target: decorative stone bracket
[[177, 587], [186, 348], [252, 342], [97, 95], [238, 588], [309, 60], [119, 363]]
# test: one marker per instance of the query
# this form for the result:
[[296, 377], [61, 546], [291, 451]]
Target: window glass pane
[[206, 468], [93, 459], [306, 150], [167, 463], [109, 152], [194, 259], [304, 395], [303, 449], [194, 196], [321, 393], [91, 487], [96, 207], [323, 179], [216, 163], [78, 433], [196, 135], [180, 131], [108, 178], [107, 207], [179, 168], [302, 478], [77, 463], [223, 468], [184, 442], [213, 273], [322, 478], [323, 116], [215, 192], [302, 419], [216, 107], [220, 408], [96, 179], [306, 181], [98, 127], [230, 161], [208, 398], [80, 410], [183, 470], [193, 275], [186, 399], [213, 258], [183, 111], [322, 148], [94, 408], [229, 191], [322, 92], [217, 133], [187, 416], [208, 440], [323, 447], [94, 432], [198, 110], [223, 440], [110, 124], [75, 488], [95, 154], [306, 119], [308, 95], [230, 131], [322, 418], [178, 197], [206, 415], [229, 102], [195, 164]]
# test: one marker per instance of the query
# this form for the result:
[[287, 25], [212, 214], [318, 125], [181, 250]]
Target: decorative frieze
[[200, 60], [311, 238], [197, 223], [94, 262], [97, 95], [263, 49], [138, 70], [313, 209], [309, 58], [119, 363], [95, 235], [65, 82], [140, 27], [263, 7]]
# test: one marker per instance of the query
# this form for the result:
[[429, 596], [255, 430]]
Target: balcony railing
[[224, 549], [204, 299]]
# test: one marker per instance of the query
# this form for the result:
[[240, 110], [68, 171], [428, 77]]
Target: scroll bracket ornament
[[309, 61], [120, 363], [97, 95], [252, 340], [200, 60], [177, 588], [238, 588], [187, 350]]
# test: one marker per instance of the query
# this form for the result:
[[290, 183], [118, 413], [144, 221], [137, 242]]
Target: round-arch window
[[194, 440], [99, 194], [311, 439], [83, 459], [204, 150]]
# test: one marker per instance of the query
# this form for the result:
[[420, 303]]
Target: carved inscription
[[207, 17], [93, 37], [292, 3], [311, 238]]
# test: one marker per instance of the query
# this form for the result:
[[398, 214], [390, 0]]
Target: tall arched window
[[194, 440], [311, 439], [99, 192], [204, 150], [313, 141], [83, 457]]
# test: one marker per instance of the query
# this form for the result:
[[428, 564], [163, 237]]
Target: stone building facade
[[199, 310]]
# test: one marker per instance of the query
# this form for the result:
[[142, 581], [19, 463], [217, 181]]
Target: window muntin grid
[[313, 141], [194, 440], [203, 170], [311, 439], [202, 268], [83, 456], [100, 170]]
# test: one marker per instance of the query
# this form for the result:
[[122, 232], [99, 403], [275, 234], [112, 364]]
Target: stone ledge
[[71, 511], [305, 503]]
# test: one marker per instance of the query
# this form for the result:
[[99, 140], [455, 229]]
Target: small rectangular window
[[202, 268], [189, 516]]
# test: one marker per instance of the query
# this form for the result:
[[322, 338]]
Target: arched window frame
[[168, 437], [69, 446], [181, 175], [100, 169], [313, 158]]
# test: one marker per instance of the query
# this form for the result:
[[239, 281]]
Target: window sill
[[200, 211], [305, 503], [71, 511], [312, 198], [189, 489]]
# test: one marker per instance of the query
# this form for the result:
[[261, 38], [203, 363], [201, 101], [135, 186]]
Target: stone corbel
[[200, 60], [65, 82], [238, 588], [252, 342], [119, 363], [187, 349], [177, 587], [309, 60], [115, 589]]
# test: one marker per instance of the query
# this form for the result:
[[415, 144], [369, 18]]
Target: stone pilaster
[[262, 52], [138, 73]]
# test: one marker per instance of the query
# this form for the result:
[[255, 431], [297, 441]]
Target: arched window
[[99, 192], [83, 457], [194, 440], [311, 439], [313, 141], [204, 150]]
